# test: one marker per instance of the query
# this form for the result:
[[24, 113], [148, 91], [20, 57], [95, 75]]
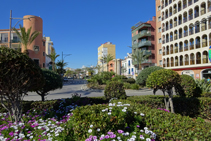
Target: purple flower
[[106, 137], [29, 132], [110, 133], [7, 139], [138, 126], [94, 137], [152, 140], [11, 134], [113, 136], [101, 138], [40, 136], [120, 131], [141, 135]]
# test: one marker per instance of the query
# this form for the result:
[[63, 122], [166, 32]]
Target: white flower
[[98, 130], [145, 128], [133, 136], [119, 102], [103, 110], [56, 134], [134, 132], [146, 132], [118, 138], [102, 135], [110, 107], [141, 130], [31, 137], [109, 113], [125, 107], [110, 104], [142, 114], [113, 104], [123, 110], [127, 133], [90, 130], [142, 138], [91, 126], [135, 112], [148, 139]]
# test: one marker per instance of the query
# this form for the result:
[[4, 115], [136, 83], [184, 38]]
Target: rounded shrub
[[143, 75], [115, 89], [186, 87], [131, 80], [134, 86], [126, 85]]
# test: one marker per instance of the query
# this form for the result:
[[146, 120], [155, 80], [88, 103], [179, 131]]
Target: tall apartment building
[[104, 50], [36, 49], [186, 36], [144, 38]]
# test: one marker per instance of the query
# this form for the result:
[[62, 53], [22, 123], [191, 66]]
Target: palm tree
[[61, 65], [107, 59], [98, 67], [26, 37], [53, 57], [139, 57]]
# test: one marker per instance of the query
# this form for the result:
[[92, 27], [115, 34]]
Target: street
[[75, 87]]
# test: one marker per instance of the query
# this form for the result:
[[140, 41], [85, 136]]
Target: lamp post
[[20, 19], [65, 55]]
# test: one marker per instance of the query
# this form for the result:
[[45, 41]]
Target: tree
[[107, 59], [69, 73], [78, 72], [53, 81], [164, 80], [53, 57], [90, 70], [61, 65], [26, 37], [98, 67], [139, 57], [18, 75]]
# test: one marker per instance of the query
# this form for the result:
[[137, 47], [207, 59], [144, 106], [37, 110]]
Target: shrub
[[114, 89], [164, 80], [202, 86], [105, 76], [131, 80], [134, 86], [18, 75], [207, 94], [186, 87], [143, 75], [126, 85]]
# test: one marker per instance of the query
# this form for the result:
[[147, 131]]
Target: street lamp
[[65, 55], [20, 19]]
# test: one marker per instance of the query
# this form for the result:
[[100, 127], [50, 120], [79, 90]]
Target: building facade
[[144, 39], [128, 69], [186, 36], [115, 66], [36, 49], [104, 50], [48, 50]]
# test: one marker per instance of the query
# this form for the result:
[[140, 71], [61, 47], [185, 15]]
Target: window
[[160, 62], [36, 48], [159, 8], [159, 29], [128, 71], [159, 18], [43, 53], [132, 70], [160, 40], [43, 65], [36, 61], [129, 63], [160, 51], [43, 43]]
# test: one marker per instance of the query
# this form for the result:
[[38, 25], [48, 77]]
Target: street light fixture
[[20, 19]]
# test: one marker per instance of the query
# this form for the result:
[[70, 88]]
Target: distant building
[[104, 50], [48, 50]]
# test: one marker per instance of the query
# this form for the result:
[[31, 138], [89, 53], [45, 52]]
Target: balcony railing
[[168, 65], [172, 64], [163, 30], [203, 11], [198, 61], [197, 30], [147, 61], [195, 1], [171, 51], [190, 17], [143, 34], [170, 14], [196, 14], [175, 24], [184, 6], [180, 35], [166, 4], [210, 25], [190, 3], [180, 22], [198, 45], [204, 44], [166, 16], [209, 8], [167, 40], [4, 41], [204, 27], [167, 52], [144, 43], [181, 63], [191, 47], [174, 11], [185, 48], [190, 32], [170, 1], [186, 62], [180, 49], [192, 61], [171, 38], [185, 33], [16, 41], [176, 63], [147, 52], [163, 41], [205, 60], [179, 9], [167, 28], [184, 20], [164, 65], [164, 53], [171, 26], [175, 37], [176, 50]]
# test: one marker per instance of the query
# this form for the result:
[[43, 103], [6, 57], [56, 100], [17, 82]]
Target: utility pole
[[10, 25]]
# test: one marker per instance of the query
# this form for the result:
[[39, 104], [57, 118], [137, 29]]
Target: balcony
[[180, 35], [175, 24], [185, 34], [187, 62], [16, 41], [180, 22], [163, 30], [4, 41], [184, 20], [181, 63], [143, 34], [192, 61], [204, 44], [175, 37], [175, 11], [196, 30], [190, 3], [163, 53], [163, 42], [198, 45], [171, 38], [209, 8], [205, 60], [185, 48], [190, 32], [204, 27], [170, 14], [196, 14], [167, 28], [171, 26], [179, 9], [203, 11], [195, 1], [176, 63], [147, 52], [147, 61], [176, 50], [167, 40], [144, 43], [167, 52], [184, 6], [170, 1], [191, 47], [198, 61], [180, 49], [171, 51], [190, 17]]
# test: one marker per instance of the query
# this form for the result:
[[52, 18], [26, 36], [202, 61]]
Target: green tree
[[53, 57], [98, 67], [164, 80], [69, 73], [18, 75], [78, 72], [61, 65], [53, 81], [107, 59], [26, 37], [139, 57]]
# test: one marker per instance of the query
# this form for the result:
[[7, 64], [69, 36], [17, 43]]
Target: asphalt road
[[70, 88]]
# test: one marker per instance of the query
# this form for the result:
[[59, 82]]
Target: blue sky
[[79, 27]]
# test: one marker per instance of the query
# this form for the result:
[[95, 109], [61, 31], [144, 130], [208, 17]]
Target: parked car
[[65, 79]]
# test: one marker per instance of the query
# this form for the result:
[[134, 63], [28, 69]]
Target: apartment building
[[104, 50], [128, 69], [144, 38], [115, 66], [36, 49], [186, 36], [48, 49]]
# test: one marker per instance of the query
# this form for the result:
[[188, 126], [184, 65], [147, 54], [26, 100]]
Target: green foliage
[[126, 85], [103, 77], [143, 75], [202, 86], [163, 79], [207, 94], [134, 86], [131, 80], [114, 89], [186, 87], [53, 81]]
